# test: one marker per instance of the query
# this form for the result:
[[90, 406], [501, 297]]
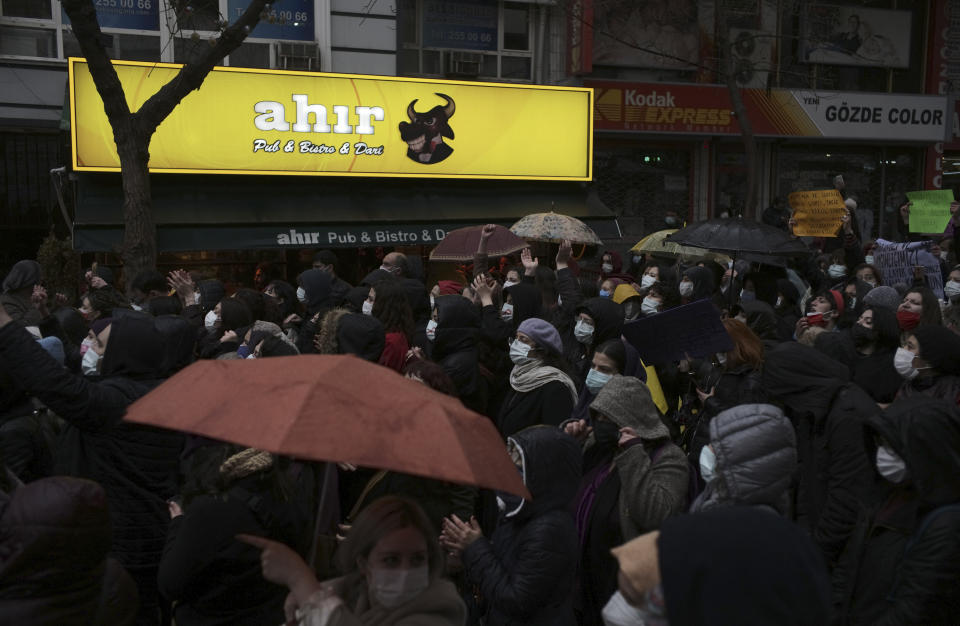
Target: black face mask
[[606, 433], [863, 336]]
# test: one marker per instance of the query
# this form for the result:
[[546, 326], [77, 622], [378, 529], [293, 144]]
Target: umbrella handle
[[583, 248]]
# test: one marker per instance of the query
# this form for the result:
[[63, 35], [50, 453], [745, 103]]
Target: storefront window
[[197, 14], [516, 26], [643, 180], [251, 55], [124, 48]]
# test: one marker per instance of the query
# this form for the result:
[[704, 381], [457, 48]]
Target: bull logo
[[424, 132]]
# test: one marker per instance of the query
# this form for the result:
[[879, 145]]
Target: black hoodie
[[828, 413], [903, 564], [455, 348], [607, 324], [525, 571], [136, 465]]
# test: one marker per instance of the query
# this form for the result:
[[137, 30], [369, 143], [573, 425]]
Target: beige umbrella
[[553, 228], [659, 243]]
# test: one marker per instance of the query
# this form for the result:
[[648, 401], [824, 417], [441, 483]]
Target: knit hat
[[940, 347], [543, 334], [883, 296]]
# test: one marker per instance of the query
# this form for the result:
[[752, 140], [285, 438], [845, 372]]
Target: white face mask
[[607, 268], [392, 587], [431, 330], [85, 345], [433, 302], [903, 363], [367, 308], [89, 363], [301, 294], [722, 358], [779, 301], [583, 331], [509, 283], [708, 464], [951, 289], [618, 612], [506, 312], [196, 297], [868, 259], [837, 271], [944, 256], [890, 465], [647, 281], [519, 352], [649, 306], [210, 320], [686, 288]]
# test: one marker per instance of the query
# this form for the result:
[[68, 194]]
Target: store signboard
[[285, 19], [129, 14], [251, 121], [707, 110], [464, 24]]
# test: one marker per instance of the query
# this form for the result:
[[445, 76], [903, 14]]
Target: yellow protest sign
[[817, 213]]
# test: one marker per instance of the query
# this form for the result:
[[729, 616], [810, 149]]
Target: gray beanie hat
[[543, 334], [884, 296]]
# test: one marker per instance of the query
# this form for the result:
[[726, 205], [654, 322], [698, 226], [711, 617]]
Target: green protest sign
[[929, 210]]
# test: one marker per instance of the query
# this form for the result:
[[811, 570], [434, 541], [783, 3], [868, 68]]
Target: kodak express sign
[[251, 121]]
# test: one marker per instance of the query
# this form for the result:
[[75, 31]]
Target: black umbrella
[[737, 236]]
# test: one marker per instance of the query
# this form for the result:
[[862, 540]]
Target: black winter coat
[[548, 404], [903, 562], [828, 413], [455, 349], [136, 465], [608, 323], [524, 574]]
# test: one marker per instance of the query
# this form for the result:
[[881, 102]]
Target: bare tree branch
[[191, 76], [83, 20]]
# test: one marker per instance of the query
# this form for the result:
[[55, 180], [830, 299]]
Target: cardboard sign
[[818, 213], [929, 210], [692, 329], [897, 260]]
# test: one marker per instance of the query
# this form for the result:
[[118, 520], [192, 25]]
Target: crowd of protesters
[[809, 475]]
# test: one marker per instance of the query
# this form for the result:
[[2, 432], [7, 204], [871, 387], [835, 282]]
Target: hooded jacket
[[903, 563], [607, 324], [525, 571], [526, 300], [318, 286], [24, 273], [179, 337], [136, 465], [756, 452], [627, 490], [454, 348], [828, 413], [703, 285], [54, 569]]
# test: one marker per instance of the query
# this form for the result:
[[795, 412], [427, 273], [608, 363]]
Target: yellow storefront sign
[[251, 121]]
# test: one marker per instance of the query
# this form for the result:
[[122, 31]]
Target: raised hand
[[530, 264], [564, 253]]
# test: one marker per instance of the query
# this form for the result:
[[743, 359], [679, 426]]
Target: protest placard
[[691, 330], [929, 210], [817, 213], [897, 260]]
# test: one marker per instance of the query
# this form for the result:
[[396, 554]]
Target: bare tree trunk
[[132, 131]]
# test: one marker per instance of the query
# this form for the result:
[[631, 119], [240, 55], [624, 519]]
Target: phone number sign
[[464, 24], [284, 19], [131, 14]]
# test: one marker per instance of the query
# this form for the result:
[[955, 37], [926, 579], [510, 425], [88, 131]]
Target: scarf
[[529, 376]]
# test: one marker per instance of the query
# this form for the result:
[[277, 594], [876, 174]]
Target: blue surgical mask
[[650, 306], [431, 330], [604, 293], [596, 380], [506, 312], [243, 351], [519, 352], [301, 294]]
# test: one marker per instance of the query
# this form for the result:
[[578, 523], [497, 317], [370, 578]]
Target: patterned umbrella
[[461, 244], [553, 228]]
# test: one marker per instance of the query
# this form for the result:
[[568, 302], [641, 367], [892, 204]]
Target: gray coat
[[756, 452]]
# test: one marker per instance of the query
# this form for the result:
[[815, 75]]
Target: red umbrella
[[333, 408], [461, 244]]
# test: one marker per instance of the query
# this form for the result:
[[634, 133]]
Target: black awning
[[224, 213]]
